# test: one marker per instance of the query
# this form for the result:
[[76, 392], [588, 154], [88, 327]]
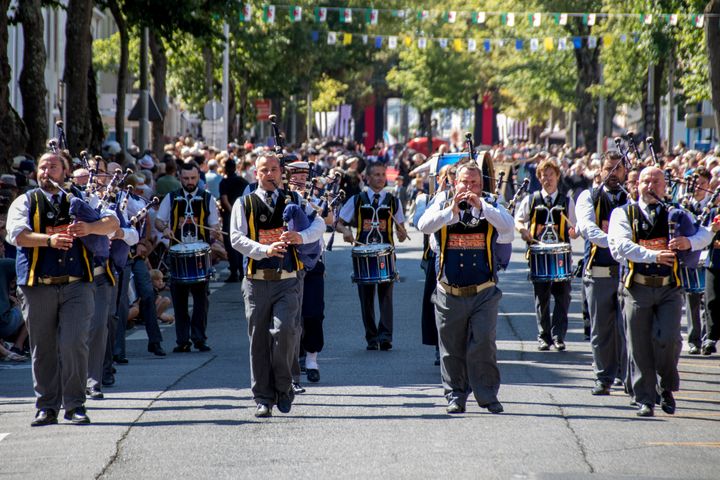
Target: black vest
[[603, 206], [201, 210], [651, 236], [364, 214], [539, 217]]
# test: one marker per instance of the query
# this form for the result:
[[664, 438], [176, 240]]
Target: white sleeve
[[586, 221], [500, 219], [17, 219], [620, 241]]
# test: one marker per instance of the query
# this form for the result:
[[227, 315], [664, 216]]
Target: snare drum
[[190, 262], [374, 264], [551, 262], [693, 279]]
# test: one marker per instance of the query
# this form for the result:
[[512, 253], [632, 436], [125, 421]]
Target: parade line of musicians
[[72, 266]]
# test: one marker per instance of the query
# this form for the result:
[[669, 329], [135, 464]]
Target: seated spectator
[[12, 326], [162, 303]]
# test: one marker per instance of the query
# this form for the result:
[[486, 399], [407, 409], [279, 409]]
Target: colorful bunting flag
[[562, 43], [269, 13], [422, 43], [589, 19], [371, 16], [471, 45], [508, 19], [315, 35], [672, 19], [698, 20], [296, 14], [378, 41], [478, 18], [443, 43], [535, 19], [518, 44], [347, 38], [392, 42], [332, 38], [549, 44], [457, 45], [561, 18], [577, 42], [646, 18], [320, 14], [487, 45], [246, 14], [534, 44], [423, 15], [364, 39], [346, 15], [623, 38], [450, 17], [407, 40], [592, 41]]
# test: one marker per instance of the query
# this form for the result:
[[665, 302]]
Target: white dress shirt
[[586, 221]]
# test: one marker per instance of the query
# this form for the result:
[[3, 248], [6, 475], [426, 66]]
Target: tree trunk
[[95, 121], [588, 75], [610, 109], [159, 75], [426, 126], [243, 108], [78, 54], [13, 134], [32, 77], [122, 75], [231, 115], [208, 59], [712, 35]]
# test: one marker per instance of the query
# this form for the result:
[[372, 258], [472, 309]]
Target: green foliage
[[106, 54], [331, 93]]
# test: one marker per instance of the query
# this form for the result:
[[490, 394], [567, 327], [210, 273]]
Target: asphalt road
[[373, 413]]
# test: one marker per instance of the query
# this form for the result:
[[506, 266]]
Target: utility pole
[[601, 116]]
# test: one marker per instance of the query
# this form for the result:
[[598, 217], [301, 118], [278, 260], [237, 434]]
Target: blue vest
[[34, 262], [603, 206], [466, 253], [265, 226]]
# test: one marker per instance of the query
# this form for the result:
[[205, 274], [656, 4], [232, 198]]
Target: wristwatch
[[49, 240]]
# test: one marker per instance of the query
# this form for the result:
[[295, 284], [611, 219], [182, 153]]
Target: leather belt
[[99, 270], [61, 280], [271, 274], [605, 272], [468, 291], [654, 281]]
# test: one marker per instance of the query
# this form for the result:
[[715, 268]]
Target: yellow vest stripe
[[36, 250]]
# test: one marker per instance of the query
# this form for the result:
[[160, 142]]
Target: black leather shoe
[[157, 349], [108, 380], [94, 393], [284, 403], [454, 407], [645, 411], [185, 348], [313, 375], [263, 411], [120, 360], [708, 347], [494, 407], [385, 345], [543, 346], [203, 347], [297, 389], [694, 350], [559, 345], [372, 346], [600, 389], [77, 415], [668, 402], [44, 416], [586, 333]]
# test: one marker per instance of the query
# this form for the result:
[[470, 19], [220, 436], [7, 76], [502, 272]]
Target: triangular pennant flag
[[346, 15], [672, 19], [332, 38], [269, 13], [589, 19], [535, 19], [423, 15], [347, 38], [549, 44], [443, 42], [320, 14], [246, 13], [561, 18], [422, 43], [315, 35], [457, 45], [450, 17], [471, 45], [534, 44], [371, 16], [646, 18], [508, 19], [562, 43], [577, 42], [478, 18], [392, 42], [487, 45], [698, 20], [592, 41], [378, 41], [608, 39], [296, 14], [364, 39], [518, 44]]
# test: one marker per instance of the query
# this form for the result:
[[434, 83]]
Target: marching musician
[[189, 215], [55, 275], [639, 235], [601, 274], [694, 301], [270, 287], [466, 297], [530, 223], [360, 210], [712, 286]]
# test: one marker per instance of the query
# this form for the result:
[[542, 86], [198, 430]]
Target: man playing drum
[[375, 213], [270, 289], [189, 215], [530, 220], [639, 236], [602, 275], [466, 298]]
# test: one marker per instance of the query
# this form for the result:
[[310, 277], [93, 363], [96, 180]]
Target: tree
[[78, 54], [712, 33], [32, 77], [122, 72]]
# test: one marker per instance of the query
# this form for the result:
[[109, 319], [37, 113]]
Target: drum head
[[550, 248], [189, 247], [372, 249]]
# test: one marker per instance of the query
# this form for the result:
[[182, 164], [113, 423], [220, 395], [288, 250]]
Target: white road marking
[[3, 435]]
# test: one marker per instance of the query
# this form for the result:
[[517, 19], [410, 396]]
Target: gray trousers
[[112, 331], [98, 333], [468, 353], [607, 329], [58, 320], [271, 310], [693, 301], [653, 316]]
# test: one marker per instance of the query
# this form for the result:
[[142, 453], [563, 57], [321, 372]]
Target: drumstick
[[567, 219], [400, 226], [213, 230]]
